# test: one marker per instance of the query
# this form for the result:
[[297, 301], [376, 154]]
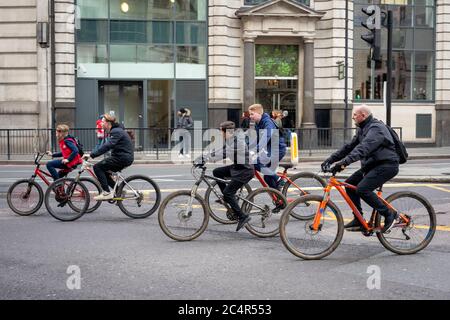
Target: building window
[[142, 39], [413, 54], [255, 2]]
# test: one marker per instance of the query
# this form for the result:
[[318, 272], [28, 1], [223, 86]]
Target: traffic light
[[373, 24]]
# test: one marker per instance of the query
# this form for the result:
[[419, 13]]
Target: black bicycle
[[184, 214]]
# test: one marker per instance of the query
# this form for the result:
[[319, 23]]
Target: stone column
[[308, 120], [308, 136], [249, 71]]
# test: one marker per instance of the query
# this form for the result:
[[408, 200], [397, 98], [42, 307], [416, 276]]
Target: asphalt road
[[120, 258]]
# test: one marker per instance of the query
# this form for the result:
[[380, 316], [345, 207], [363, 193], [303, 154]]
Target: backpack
[[399, 146], [78, 144]]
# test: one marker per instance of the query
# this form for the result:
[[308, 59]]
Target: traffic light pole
[[389, 69]]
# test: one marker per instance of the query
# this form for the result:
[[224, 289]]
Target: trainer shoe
[[104, 196], [389, 221], [353, 225], [242, 220]]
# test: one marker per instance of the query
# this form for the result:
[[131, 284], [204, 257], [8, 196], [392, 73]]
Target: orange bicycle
[[320, 228]]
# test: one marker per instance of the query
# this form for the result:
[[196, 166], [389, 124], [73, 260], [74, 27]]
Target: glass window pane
[[123, 53], [402, 16], [423, 84], [401, 75], [159, 32], [401, 38], [362, 75], [128, 10], [161, 54], [191, 33], [424, 2], [92, 9], [128, 31], [194, 55], [424, 39], [93, 31], [190, 10], [424, 17], [92, 60]]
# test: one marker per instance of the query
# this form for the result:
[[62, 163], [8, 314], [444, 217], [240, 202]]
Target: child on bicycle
[[69, 152], [240, 172]]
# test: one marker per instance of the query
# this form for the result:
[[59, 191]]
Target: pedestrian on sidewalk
[[100, 133], [184, 122]]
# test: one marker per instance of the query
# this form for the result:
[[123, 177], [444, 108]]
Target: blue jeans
[[270, 176], [56, 164]]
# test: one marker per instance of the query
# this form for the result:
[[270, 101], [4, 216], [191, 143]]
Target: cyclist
[[69, 152], [240, 172], [122, 155], [264, 149], [374, 146]]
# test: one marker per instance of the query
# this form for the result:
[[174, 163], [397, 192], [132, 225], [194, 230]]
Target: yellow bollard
[[294, 148]]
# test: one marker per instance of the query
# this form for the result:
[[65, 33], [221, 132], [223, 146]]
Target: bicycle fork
[[316, 225]]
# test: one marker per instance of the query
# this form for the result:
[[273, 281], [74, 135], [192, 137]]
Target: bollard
[[294, 148]]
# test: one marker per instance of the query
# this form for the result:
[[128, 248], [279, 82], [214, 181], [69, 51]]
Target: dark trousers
[[108, 164], [229, 191], [57, 164], [367, 182]]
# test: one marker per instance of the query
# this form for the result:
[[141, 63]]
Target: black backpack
[[78, 144], [399, 146]]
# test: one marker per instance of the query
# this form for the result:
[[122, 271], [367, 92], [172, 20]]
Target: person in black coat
[[374, 146], [122, 155]]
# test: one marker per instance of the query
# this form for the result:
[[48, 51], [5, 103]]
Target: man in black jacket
[[374, 146], [122, 155]]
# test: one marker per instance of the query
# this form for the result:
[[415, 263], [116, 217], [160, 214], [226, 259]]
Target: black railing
[[158, 142]]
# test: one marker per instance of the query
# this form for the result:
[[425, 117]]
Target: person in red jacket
[[69, 153]]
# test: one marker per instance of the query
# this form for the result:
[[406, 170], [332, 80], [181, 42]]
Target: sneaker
[[243, 219], [389, 221], [353, 225], [104, 196], [181, 156]]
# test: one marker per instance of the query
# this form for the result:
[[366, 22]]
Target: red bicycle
[[26, 196]]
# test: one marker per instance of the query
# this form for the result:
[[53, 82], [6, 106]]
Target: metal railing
[[158, 141]]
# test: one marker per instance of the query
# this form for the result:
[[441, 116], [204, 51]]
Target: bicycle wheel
[[218, 211], [180, 221], [25, 197], [67, 199], [94, 189], [298, 236], [264, 205], [414, 235], [302, 184], [140, 196]]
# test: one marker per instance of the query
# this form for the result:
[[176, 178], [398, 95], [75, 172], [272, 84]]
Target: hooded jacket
[[120, 143], [372, 144]]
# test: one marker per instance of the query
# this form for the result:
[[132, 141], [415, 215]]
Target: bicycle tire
[[78, 212], [147, 213], [253, 226], [294, 249], [10, 192], [164, 225], [93, 205], [211, 211], [385, 238]]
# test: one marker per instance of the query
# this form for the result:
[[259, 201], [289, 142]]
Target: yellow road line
[[437, 188]]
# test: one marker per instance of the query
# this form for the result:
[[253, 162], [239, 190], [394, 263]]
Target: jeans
[[270, 176], [367, 182], [108, 164], [57, 164], [229, 191]]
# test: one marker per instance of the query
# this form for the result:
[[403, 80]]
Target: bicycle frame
[[283, 175], [204, 177], [340, 185]]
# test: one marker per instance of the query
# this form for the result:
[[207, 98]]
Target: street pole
[[389, 69], [346, 73]]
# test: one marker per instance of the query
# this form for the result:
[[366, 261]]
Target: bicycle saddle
[[286, 165]]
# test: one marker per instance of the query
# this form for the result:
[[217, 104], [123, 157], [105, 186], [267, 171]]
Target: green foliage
[[276, 60]]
